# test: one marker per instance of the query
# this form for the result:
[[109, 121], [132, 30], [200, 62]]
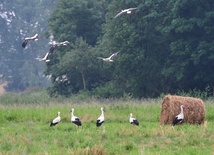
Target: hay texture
[[194, 111]]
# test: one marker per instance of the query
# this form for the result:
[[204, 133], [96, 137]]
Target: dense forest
[[165, 46]]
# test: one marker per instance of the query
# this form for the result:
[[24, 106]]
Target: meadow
[[25, 128]]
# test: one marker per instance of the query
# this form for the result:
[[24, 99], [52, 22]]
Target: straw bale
[[194, 111]]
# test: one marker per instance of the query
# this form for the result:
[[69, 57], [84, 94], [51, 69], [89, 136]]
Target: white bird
[[64, 43], [45, 58], [51, 50], [35, 38], [100, 120], [56, 120], [55, 44], [179, 118], [109, 59], [128, 11], [133, 121], [75, 119]]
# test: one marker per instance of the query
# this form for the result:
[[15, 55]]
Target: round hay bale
[[194, 111]]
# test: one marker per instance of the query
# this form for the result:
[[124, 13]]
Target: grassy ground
[[25, 129]]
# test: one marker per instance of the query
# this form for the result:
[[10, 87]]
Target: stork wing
[[77, 119], [136, 122], [100, 119], [100, 58], [65, 43], [119, 14], [39, 59], [56, 120], [113, 55], [131, 9], [46, 56], [35, 37], [32, 38]]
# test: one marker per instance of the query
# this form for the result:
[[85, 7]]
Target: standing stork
[[100, 120], [179, 118], [75, 119], [56, 120], [35, 38], [133, 121]]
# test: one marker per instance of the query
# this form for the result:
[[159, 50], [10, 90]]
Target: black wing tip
[[136, 122], [98, 124], [176, 121], [24, 43], [77, 123], [53, 124]]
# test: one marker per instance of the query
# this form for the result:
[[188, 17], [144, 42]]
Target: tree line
[[165, 46]]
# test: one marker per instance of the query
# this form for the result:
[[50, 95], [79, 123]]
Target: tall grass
[[25, 128]]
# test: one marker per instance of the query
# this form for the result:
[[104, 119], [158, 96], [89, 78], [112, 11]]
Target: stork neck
[[182, 110], [102, 113]]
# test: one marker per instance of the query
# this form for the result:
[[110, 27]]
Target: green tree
[[79, 22], [189, 28], [137, 70], [76, 71], [77, 18], [164, 46]]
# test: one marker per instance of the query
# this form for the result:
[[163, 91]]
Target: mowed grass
[[25, 129]]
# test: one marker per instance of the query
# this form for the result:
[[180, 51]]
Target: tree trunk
[[83, 81]]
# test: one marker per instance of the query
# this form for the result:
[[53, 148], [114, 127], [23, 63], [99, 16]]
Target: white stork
[[35, 38], [63, 43], [133, 121], [75, 119], [56, 120], [109, 59], [128, 11], [100, 120], [54, 44], [179, 118]]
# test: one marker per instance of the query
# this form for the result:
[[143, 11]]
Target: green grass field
[[25, 129]]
